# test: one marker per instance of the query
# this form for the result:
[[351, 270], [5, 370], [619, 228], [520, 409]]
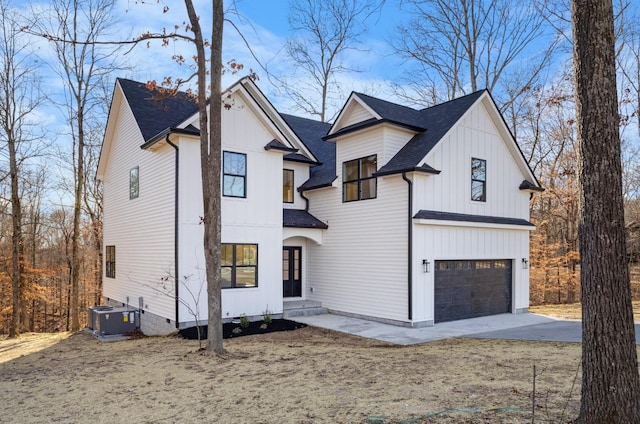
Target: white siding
[[361, 266], [355, 113], [436, 243], [142, 228], [256, 219], [394, 139], [475, 137], [450, 191], [300, 175]]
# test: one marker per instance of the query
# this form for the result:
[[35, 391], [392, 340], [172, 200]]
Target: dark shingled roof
[[394, 112], [276, 145], [310, 132], [301, 219], [153, 111], [437, 120], [528, 185], [448, 216], [299, 157]]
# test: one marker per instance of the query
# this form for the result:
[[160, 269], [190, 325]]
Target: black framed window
[[358, 182], [110, 261], [134, 183], [287, 186], [239, 265], [234, 174], [478, 180]]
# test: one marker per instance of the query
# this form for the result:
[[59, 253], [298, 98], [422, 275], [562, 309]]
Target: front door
[[291, 271]]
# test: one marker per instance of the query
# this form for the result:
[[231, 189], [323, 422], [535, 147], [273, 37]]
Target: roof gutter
[[176, 230], [409, 246]]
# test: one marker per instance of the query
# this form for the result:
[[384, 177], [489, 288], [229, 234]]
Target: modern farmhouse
[[412, 217]]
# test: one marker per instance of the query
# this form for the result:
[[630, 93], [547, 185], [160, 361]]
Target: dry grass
[[573, 311], [304, 376]]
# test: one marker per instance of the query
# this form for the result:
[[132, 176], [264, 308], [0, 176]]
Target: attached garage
[[472, 288]]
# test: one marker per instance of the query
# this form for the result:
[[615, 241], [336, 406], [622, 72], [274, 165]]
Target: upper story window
[[134, 183], [110, 261], [239, 265], [234, 174], [478, 180], [287, 186], [358, 182]]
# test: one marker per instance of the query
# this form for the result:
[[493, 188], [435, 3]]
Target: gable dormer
[[382, 126], [355, 111]]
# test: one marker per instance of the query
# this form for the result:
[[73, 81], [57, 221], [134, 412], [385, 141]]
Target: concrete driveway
[[555, 331], [505, 326]]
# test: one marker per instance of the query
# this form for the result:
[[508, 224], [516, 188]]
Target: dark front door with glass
[[291, 271]]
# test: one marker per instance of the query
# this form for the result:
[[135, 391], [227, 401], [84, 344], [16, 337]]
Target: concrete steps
[[301, 308]]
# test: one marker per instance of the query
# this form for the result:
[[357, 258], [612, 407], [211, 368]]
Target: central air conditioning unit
[[91, 315], [108, 321]]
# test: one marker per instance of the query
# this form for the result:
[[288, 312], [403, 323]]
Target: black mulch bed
[[230, 330]]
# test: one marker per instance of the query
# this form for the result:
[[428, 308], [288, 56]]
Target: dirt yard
[[308, 375]]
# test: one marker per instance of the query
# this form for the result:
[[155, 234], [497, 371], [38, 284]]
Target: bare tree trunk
[[77, 209], [210, 152], [610, 382], [213, 233], [17, 248]]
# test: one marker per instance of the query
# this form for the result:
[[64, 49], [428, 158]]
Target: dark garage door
[[473, 288]]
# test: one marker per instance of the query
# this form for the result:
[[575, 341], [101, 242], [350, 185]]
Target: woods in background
[[50, 203]]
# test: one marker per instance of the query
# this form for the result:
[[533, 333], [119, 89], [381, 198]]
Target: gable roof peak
[[474, 95], [155, 111]]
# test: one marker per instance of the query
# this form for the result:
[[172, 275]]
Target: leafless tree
[[460, 46], [323, 32], [19, 98], [210, 163], [610, 379], [628, 59], [82, 64]]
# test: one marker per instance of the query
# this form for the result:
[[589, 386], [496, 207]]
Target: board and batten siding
[[439, 242], [475, 136], [141, 229], [256, 219], [361, 266]]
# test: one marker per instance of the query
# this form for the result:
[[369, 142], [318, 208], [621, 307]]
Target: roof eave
[[529, 186], [302, 188], [276, 145], [307, 161], [422, 169], [163, 135], [368, 124]]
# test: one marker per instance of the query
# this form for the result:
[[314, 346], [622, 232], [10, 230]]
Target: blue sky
[[264, 23]]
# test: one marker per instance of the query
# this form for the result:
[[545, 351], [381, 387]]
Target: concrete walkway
[[476, 327]]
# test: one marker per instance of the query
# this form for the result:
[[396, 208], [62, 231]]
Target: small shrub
[[244, 321], [237, 330], [266, 317]]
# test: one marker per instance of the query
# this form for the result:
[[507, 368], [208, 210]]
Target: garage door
[[470, 289]]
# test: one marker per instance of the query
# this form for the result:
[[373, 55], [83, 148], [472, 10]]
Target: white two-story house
[[407, 216]]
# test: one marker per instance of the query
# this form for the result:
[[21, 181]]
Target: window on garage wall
[[478, 180]]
